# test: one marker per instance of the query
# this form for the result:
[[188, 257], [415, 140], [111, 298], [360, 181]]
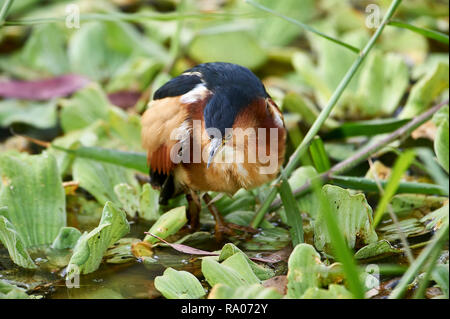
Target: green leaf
[[168, 224], [175, 284], [14, 244], [67, 238], [426, 90], [307, 203], [129, 198], [261, 272], [99, 179], [354, 217], [32, 190], [45, 50], [382, 84], [333, 292], [441, 277], [303, 273], [9, 291], [234, 271], [84, 108], [435, 219], [222, 291], [409, 227], [380, 248], [90, 248], [277, 32], [100, 49], [40, 115], [149, 203], [234, 47]]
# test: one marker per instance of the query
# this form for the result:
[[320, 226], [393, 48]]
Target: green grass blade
[[365, 128], [401, 165], [133, 160], [4, 10], [293, 215], [303, 26], [432, 34], [319, 155]]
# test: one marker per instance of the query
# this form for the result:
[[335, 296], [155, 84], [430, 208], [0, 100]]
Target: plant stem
[[295, 158], [364, 153], [128, 17], [303, 26], [4, 11]]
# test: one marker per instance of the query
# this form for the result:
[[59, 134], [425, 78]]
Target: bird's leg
[[223, 227], [194, 209]]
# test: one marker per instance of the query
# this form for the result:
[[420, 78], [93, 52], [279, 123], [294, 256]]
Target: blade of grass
[[340, 247], [436, 245], [365, 128], [4, 10], [133, 160], [401, 165], [394, 218], [432, 34], [127, 17], [293, 215], [319, 155], [302, 25], [301, 149]]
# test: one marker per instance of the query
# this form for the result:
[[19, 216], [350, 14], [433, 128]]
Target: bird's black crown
[[234, 87]]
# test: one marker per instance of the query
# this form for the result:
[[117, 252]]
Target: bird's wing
[[160, 123]]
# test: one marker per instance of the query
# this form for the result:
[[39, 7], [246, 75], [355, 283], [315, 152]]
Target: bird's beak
[[214, 147]]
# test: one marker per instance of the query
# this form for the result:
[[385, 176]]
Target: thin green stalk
[[4, 10], [128, 17], [432, 34], [438, 241], [295, 158], [303, 26]]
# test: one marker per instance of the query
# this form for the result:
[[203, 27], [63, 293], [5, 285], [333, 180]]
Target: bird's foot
[[222, 227]]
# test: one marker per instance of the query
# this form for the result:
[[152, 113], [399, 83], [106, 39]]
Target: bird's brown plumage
[[164, 116]]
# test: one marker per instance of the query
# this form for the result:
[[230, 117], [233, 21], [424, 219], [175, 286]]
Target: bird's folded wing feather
[[159, 126]]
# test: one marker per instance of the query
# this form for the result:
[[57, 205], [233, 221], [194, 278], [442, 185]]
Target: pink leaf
[[44, 89], [194, 251]]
